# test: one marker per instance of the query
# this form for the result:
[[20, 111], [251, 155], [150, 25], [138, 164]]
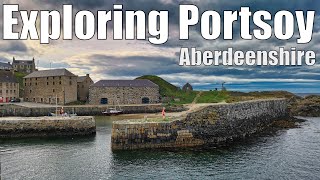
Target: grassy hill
[[166, 88], [168, 91]]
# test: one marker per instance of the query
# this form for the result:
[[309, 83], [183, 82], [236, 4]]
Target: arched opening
[[104, 101], [145, 100]]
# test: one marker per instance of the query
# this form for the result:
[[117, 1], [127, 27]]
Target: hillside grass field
[[175, 95]]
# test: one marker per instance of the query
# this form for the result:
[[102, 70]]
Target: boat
[[112, 111]]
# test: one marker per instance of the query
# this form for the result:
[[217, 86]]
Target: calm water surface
[[286, 154]]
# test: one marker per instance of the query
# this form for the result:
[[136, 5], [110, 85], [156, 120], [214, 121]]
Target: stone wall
[[83, 88], [46, 126], [8, 91], [123, 95], [212, 125], [13, 110], [46, 89]]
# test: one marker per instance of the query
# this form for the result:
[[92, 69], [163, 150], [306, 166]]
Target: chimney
[[88, 75]]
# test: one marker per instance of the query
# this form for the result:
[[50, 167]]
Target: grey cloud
[[13, 46]]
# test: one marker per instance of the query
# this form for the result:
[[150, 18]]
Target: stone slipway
[[208, 125], [46, 126]]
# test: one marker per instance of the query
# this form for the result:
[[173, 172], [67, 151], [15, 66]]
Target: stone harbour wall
[[46, 126], [212, 125], [11, 110]]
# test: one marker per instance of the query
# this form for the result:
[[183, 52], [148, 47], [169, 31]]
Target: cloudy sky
[[128, 59]]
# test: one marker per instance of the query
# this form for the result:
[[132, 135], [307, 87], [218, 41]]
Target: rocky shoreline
[[308, 106]]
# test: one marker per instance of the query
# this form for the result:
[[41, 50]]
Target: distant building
[[187, 87], [9, 86], [51, 86], [116, 92], [83, 83], [24, 66], [5, 66]]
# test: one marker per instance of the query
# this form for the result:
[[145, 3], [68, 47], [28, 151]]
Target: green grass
[[184, 97], [170, 91], [213, 97], [166, 88], [241, 96], [19, 76]]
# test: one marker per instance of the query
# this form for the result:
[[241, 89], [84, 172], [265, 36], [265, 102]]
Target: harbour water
[[285, 154]]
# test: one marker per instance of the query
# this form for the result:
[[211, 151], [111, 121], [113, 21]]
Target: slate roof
[[50, 73], [22, 62], [6, 76], [5, 66], [125, 83], [81, 78]]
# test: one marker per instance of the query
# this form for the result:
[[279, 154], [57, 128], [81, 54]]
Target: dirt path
[[196, 98], [191, 108]]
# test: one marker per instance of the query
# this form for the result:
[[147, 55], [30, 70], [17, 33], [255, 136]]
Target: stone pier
[[46, 126], [211, 125]]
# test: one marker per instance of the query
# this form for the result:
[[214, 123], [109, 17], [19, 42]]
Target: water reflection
[[286, 154]]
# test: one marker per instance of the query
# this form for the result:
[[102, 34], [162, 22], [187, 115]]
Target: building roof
[[81, 78], [50, 73], [23, 62], [7, 76], [5, 66], [125, 83]]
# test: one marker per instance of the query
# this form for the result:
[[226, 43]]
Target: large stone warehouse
[[114, 92], [50, 87]]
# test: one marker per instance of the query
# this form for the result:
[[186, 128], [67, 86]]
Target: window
[[30, 91], [47, 83], [52, 83], [104, 101], [60, 82], [70, 83], [53, 90]]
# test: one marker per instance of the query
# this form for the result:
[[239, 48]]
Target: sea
[[283, 154]]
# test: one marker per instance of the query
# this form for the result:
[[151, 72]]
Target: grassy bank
[[213, 97]]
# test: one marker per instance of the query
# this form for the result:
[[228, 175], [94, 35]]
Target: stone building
[[5, 66], [84, 82], [9, 86], [24, 66], [116, 92], [51, 86], [187, 87]]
